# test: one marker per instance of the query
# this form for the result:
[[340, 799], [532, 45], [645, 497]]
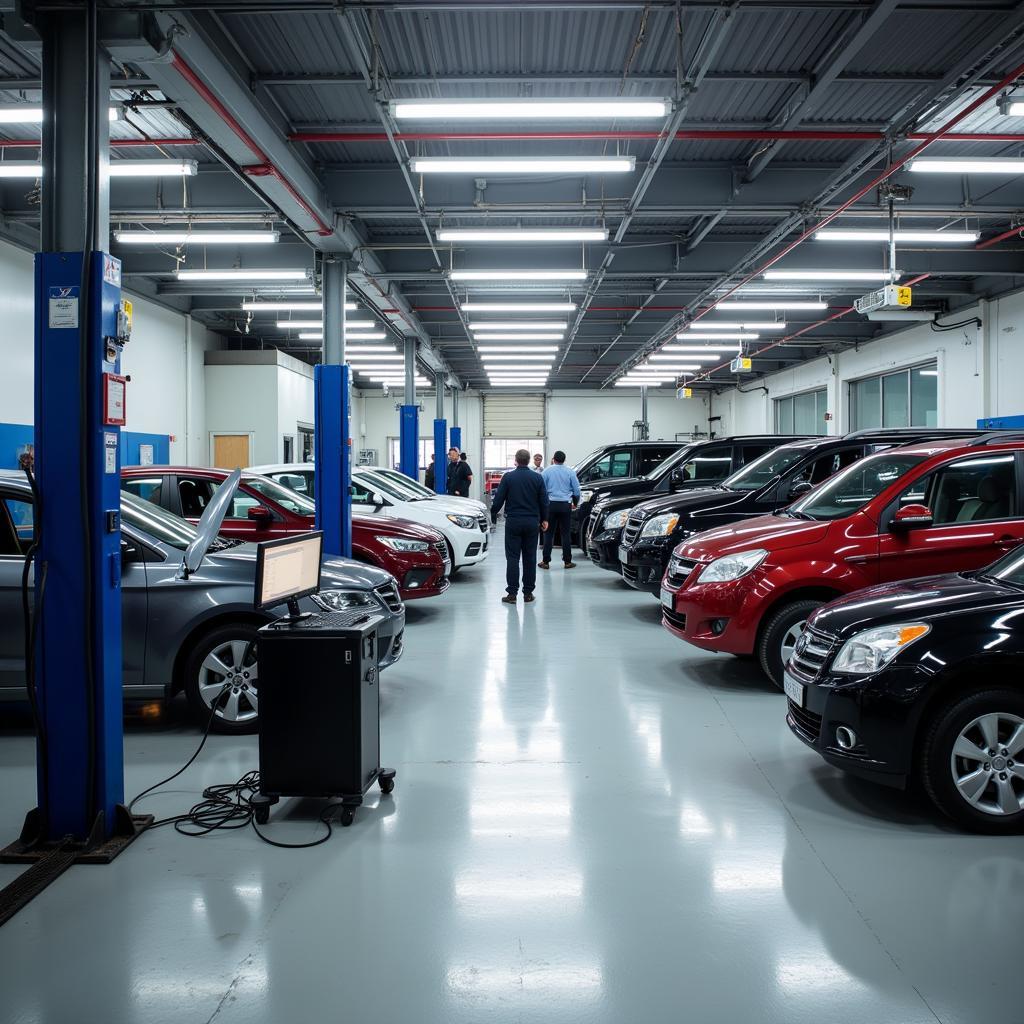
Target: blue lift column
[[331, 409], [409, 418], [456, 430], [440, 440], [81, 326]]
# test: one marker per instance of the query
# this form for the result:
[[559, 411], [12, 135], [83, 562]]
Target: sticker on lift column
[[110, 452], [63, 309]]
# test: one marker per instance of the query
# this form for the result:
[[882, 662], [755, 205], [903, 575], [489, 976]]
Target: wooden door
[[231, 451]]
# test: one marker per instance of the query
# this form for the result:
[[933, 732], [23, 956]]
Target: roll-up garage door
[[518, 416]]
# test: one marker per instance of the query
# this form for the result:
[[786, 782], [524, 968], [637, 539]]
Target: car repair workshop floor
[[591, 822]]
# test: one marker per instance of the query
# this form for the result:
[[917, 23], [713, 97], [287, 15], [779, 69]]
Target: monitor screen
[[288, 569]]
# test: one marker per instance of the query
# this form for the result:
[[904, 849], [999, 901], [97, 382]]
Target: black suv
[[921, 680], [619, 461], [654, 527], [698, 464]]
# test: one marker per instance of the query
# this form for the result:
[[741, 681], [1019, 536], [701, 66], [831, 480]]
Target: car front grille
[[807, 723], [674, 618], [630, 573], [388, 593], [679, 570], [811, 657], [632, 530], [441, 547]]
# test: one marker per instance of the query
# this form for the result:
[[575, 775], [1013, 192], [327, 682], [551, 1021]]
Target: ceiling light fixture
[[529, 109], [153, 168], [967, 165], [239, 274], [740, 306], [523, 164], [881, 235], [522, 235], [349, 324], [518, 307], [717, 336], [519, 348], [515, 275], [518, 337], [521, 325], [197, 237], [25, 113], [366, 336], [827, 275], [285, 307], [729, 325]]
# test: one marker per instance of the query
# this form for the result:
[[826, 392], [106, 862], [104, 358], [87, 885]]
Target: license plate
[[794, 690], [666, 598], [624, 554]]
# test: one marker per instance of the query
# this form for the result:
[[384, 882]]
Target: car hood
[[928, 598], [610, 488], [455, 505], [686, 501], [335, 573], [394, 526], [774, 533], [209, 525]]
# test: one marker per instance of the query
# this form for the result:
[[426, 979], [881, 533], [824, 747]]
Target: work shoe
[[528, 598], [509, 599], [543, 565], [570, 565]]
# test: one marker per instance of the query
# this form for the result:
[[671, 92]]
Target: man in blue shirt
[[521, 493], [563, 491]]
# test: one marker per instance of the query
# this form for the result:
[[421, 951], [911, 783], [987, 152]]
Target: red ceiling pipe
[[710, 135], [114, 143], [263, 168]]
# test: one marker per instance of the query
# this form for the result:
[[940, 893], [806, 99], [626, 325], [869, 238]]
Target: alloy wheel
[[789, 639], [229, 681], [987, 763]]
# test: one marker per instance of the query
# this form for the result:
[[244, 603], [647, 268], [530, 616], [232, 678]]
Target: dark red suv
[[264, 510], [916, 510]]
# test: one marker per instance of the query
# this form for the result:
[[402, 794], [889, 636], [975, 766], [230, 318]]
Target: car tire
[[779, 635], [451, 558], [951, 779], [229, 647]]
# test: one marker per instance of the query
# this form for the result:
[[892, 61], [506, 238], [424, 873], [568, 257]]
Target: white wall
[[980, 372], [164, 359]]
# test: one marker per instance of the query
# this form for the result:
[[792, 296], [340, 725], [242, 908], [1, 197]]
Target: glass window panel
[[924, 396], [804, 407], [895, 400], [867, 403]]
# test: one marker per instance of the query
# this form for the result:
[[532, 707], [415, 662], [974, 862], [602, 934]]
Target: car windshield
[[855, 486], [392, 488], [157, 522], [669, 464], [283, 496], [1008, 569], [402, 481], [587, 460], [754, 475]]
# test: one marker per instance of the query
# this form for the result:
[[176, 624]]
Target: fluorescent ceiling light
[[967, 165], [26, 113], [529, 109], [1015, 109], [624, 383], [358, 336], [353, 353], [521, 325], [520, 348], [369, 348], [367, 336], [680, 368], [517, 383], [716, 336], [310, 336], [518, 307], [516, 275], [713, 350], [20, 169], [238, 274], [523, 164], [152, 168], [284, 307], [738, 307], [518, 337], [522, 235], [197, 237], [702, 357], [349, 324], [827, 275], [881, 235], [388, 368], [728, 325]]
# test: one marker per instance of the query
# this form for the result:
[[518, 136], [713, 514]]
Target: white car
[[464, 522]]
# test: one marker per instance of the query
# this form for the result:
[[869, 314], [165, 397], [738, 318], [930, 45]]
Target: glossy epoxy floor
[[591, 823]]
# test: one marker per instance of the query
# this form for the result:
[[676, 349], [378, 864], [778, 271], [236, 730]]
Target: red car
[[264, 510], [917, 510]]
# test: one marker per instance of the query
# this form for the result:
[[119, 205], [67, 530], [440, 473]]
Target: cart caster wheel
[[348, 815], [262, 815], [387, 785]]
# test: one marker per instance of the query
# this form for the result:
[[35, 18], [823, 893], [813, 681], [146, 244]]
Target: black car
[[653, 528], [696, 464], [922, 680], [621, 460]]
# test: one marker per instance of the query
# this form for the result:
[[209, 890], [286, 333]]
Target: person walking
[[563, 491], [523, 496], [459, 475], [428, 476]]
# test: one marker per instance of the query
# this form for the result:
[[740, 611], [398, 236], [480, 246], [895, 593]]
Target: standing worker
[[538, 463], [428, 476], [522, 494], [563, 491], [459, 475]]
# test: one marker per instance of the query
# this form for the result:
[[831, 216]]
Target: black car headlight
[[873, 649]]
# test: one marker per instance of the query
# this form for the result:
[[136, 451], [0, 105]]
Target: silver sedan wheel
[[788, 645], [987, 763], [229, 680]]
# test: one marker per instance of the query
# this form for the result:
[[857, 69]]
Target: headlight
[[873, 649], [401, 544], [586, 495], [732, 567], [660, 526], [340, 600], [616, 520], [464, 522]]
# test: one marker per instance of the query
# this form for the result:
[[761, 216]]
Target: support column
[[76, 685], [332, 400], [440, 439], [409, 422]]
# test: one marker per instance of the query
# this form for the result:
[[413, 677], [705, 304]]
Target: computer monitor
[[287, 570]]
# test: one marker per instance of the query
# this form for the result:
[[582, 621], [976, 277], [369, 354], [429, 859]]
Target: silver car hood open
[[209, 526]]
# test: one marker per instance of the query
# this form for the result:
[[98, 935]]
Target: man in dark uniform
[[459, 475], [525, 499], [428, 477]]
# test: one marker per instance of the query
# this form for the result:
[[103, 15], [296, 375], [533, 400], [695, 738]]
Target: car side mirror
[[911, 517], [130, 552], [377, 499], [260, 515], [798, 489]]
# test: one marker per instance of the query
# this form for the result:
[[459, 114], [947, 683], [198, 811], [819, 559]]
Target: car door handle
[[1006, 541]]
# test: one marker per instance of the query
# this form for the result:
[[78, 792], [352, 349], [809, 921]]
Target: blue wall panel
[[14, 436]]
